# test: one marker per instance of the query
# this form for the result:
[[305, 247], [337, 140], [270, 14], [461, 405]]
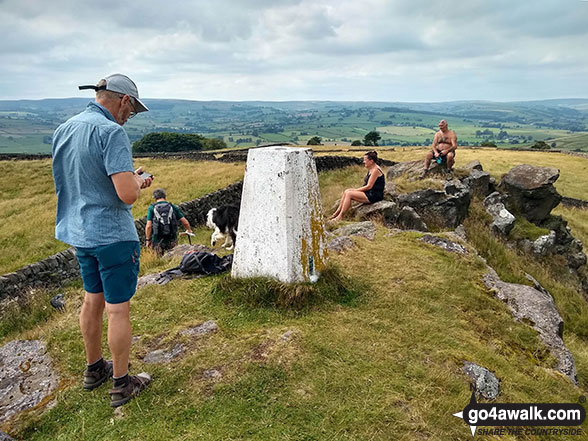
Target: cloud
[[298, 49]]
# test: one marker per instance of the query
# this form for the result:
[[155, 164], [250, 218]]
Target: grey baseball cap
[[120, 83]]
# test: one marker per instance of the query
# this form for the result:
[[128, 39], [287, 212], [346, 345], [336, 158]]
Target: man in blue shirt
[[96, 187]]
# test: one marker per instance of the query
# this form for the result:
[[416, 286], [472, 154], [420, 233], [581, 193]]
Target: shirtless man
[[444, 145]]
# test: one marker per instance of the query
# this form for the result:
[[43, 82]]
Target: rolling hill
[[27, 125]]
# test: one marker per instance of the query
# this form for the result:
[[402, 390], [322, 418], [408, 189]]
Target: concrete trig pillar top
[[281, 233]]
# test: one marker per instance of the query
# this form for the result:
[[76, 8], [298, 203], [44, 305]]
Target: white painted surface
[[281, 231]]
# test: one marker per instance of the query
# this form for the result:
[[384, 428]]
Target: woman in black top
[[372, 190]]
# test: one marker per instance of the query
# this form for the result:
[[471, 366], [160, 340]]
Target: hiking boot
[[124, 394], [424, 173], [93, 379]]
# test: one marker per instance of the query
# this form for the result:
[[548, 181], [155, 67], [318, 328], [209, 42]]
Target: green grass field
[[385, 365], [577, 142], [28, 202], [24, 144]]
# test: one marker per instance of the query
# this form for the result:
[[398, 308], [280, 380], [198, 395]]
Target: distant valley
[[26, 126]]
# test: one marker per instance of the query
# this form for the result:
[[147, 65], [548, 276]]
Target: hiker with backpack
[[161, 231]]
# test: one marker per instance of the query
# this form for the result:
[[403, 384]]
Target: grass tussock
[[28, 206], [405, 184], [34, 310], [332, 286], [28, 311], [523, 229], [577, 219], [333, 182], [512, 266]]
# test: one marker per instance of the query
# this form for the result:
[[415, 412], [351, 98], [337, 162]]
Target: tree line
[[176, 142], [371, 139]]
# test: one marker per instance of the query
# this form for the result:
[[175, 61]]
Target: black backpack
[[197, 264], [202, 262], [165, 222]]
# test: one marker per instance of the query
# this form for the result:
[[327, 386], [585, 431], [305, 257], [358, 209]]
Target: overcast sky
[[360, 50]]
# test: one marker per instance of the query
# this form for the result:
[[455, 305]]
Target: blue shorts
[[111, 269]]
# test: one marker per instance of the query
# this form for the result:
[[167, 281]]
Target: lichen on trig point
[[281, 233]]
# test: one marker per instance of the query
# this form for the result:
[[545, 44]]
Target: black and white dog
[[225, 221]]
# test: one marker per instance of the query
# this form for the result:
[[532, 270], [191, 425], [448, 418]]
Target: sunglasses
[[132, 101]]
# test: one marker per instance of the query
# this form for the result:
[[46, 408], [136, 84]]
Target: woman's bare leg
[[350, 195], [336, 213]]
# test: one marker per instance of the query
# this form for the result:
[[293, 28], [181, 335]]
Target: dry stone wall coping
[[573, 202]]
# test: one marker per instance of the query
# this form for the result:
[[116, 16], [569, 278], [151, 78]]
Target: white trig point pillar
[[281, 233]]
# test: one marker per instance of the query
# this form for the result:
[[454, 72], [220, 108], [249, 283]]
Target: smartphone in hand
[[145, 175]]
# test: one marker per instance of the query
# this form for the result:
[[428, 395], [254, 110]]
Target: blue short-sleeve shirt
[[87, 149]]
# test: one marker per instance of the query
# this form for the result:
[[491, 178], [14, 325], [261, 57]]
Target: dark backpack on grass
[[165, 222], [202, 262], [197, 264]]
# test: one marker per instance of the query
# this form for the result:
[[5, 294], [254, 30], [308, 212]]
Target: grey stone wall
[[189, 156], [47, 273], [573, 202], [324, 163], [235, 156], [23, 156]]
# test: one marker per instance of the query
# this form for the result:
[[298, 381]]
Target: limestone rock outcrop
[[485, 382], [531, 191], [473, 165], [536, 306], [340, 244], [479, 182], [365, 229], [446, 244], [26, 376], [410, 168], [393, 215], [5, 437], [503, 220], [437, 207]]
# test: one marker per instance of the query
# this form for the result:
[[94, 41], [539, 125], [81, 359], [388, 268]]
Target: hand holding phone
[[145, 175]]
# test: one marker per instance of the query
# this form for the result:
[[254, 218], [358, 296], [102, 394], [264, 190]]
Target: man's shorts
[[111, 269], [443, 157]]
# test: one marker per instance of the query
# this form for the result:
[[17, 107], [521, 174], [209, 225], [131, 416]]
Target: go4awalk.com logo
[[500, 418]]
